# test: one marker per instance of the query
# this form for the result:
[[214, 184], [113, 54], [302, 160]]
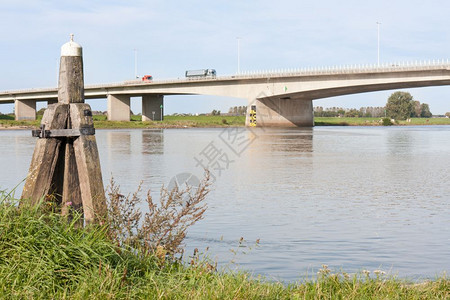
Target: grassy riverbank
[[100, 122], [44, 257], [322, 121], [173, 122]]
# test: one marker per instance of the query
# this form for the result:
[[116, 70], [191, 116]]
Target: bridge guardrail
[[309, 71]]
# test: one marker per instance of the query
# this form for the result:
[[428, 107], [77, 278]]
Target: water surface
[[353, 198]]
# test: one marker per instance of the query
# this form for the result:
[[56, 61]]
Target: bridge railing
[[308, 71], [351, 69]]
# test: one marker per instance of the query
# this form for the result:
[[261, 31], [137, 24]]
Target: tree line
[[237, 110], [367, 112], [400, 106]]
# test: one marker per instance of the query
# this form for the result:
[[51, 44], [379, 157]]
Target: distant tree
[[417, 109], [400, 106], [425, 111], [218, 113], [318, 111], [214, 112], [362, 111], [447, 114], [380, 112], [352, 113]]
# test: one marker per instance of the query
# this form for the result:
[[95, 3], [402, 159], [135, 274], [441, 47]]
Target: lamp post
[[135, 63], [378, 44], [238, 55]]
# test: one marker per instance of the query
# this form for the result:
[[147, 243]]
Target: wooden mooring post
[[65, 167]]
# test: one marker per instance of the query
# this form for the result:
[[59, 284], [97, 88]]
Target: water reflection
[[17, 148], [296, 140], [152, 141], [400, 142], [118, 142]]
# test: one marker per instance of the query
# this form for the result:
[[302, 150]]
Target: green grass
[[205, 121], [426, 121], [322, 121], [100, 121], [333, 121], [42, 256], [172, 122]]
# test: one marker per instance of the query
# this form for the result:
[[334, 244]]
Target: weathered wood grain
[[71, 82], [88, 164], [71, 197], [45, 157]]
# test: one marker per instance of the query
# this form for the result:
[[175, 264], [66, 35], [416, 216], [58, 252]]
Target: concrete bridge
[[282, 98]]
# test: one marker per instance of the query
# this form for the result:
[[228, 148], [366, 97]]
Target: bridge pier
[[150, 104], [281, 112], [25, 109], [119, 108]]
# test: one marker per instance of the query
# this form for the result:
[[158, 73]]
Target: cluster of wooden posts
[[65, 167]]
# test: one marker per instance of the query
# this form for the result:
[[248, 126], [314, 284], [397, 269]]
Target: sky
[[170, 37]]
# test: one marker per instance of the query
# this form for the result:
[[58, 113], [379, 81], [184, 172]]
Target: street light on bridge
[[135, 63], [238, 54], [378, 43]]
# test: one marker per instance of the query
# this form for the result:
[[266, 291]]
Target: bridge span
[[281, 98]]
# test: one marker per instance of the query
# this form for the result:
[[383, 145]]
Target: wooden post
[[65, 167], [40, 177]]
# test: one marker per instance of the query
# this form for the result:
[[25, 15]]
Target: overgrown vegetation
[[163, 227], [377, 121], [387, 122], [43, 256], [363, 112]]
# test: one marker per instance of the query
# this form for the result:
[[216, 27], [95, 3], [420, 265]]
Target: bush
[[163, 228], [387, 122]]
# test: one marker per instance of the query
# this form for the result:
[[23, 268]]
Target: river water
[[352, 198]]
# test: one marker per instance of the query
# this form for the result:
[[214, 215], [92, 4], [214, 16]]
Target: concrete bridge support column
[[281, 112], [25, 109], [150, 104], [118, 108]]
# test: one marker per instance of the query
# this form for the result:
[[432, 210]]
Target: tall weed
[[162, 229]]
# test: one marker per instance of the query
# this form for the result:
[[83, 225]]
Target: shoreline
[[24, 127], [179, 122]]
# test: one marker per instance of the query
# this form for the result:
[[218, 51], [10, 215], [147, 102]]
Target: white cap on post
[[71, 48]]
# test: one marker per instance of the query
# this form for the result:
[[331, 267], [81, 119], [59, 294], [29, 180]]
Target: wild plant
[[162, 229]]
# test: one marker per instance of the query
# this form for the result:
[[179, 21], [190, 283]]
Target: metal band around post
[[42, 133]]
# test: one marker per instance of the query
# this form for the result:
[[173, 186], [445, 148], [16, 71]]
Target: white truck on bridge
[[201, 73]]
